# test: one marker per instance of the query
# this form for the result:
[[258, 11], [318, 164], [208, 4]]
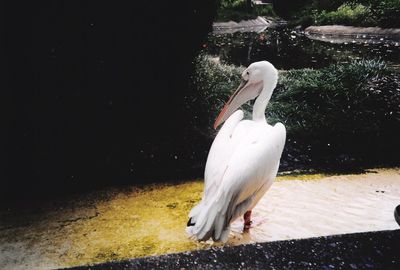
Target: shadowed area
[[91, 87]]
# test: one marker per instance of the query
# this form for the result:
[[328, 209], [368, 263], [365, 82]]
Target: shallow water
[[135, 221], [332, 205]]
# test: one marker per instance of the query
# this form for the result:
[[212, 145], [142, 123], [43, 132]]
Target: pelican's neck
[[262, 101]]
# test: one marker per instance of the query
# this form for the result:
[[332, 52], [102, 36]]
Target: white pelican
[[243, 160]]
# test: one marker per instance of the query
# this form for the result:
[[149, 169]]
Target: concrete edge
[[366, 250]]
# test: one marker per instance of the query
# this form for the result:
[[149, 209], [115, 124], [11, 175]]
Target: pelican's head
[[258, 76]]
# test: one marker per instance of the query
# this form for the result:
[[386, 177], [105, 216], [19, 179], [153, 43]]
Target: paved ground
[[372, 250]]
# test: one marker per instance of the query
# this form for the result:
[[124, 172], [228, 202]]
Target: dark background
[[94, 93]]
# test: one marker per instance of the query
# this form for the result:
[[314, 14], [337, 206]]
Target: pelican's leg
[[247, 221]]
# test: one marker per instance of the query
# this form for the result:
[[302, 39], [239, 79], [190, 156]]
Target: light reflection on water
[[289, 48]]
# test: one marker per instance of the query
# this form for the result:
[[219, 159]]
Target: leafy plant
[[386, 13], [237, 10], [342, 112], [345, 109], [349, 12], [346, 15], [213, 83]]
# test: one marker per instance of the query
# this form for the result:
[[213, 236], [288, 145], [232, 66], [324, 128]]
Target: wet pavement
[[371, 250]]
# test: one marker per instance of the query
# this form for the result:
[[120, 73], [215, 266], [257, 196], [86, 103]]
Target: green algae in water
[[126, 223], [149, 221]]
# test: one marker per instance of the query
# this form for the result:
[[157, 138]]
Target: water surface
[[289, 48]]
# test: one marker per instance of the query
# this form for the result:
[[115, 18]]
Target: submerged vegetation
[[339, 115]]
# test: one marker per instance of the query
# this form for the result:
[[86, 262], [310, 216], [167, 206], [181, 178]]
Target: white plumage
[[243, 160]]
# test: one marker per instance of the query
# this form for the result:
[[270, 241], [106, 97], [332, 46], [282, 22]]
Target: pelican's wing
[[217, 160], [253, 167], [221, 150], [250, 171]]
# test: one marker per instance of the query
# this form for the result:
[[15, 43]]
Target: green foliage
[[333, 99], [349, 109], [318, 12], [346, 15], [237, 10], [225, 4], [213, 83], [342, 107], [287, 9], [386, 13], [350, 12], [264, 10]]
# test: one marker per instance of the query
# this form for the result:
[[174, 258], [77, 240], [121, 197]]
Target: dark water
[[291, 49]]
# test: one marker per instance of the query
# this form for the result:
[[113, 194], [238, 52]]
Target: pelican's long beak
[[245, 92]]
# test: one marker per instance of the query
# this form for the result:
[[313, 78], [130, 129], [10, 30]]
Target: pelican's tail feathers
[[194, 214], [196, 210], [210, 221]]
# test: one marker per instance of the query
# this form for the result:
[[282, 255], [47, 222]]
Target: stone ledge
[[369, 250], [351, 30]]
